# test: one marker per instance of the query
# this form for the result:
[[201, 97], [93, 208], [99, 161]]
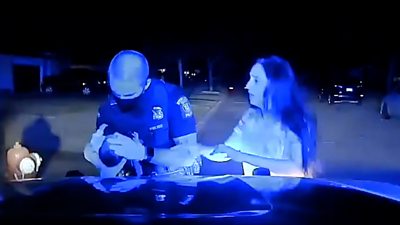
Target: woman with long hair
[[276, 133]]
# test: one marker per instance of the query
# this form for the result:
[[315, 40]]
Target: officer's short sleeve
[[180, 115]]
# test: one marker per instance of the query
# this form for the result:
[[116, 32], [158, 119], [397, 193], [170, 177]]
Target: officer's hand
[[126, 147], [98, 138]]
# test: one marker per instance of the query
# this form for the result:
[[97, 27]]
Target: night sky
[[311, 39]]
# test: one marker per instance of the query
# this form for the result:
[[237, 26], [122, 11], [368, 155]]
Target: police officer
[[143, 127]]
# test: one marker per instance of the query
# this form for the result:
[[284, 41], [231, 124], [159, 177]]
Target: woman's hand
[[232, 153]]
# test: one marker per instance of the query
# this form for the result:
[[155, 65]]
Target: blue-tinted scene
[[258, 116]]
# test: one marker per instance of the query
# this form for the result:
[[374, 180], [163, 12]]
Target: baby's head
[[107, 156]]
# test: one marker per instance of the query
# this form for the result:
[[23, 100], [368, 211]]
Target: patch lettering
[[186, 109], [158, 113]]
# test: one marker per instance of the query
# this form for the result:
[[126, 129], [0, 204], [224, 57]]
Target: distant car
[[390, 105], [83, 81], [342, 90], [233, 89]]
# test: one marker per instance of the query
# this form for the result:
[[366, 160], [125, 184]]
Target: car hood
[[278, 200]]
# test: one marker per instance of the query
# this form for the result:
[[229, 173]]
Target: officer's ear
[[148, 82]]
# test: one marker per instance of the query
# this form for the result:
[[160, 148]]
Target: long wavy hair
[[283, 99]]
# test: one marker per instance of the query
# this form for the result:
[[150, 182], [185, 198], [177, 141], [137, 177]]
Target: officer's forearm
[[177, 156], [164, 157], [182, 154]]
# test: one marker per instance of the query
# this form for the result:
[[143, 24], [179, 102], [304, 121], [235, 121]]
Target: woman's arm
[[289, 166]]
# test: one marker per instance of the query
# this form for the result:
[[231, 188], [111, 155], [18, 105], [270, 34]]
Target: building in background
[[24, 74]]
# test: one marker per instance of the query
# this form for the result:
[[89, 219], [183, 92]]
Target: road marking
[[211, 112], [328, 142]]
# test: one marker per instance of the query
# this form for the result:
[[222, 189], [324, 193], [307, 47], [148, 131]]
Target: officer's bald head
[[128, 65], [128, 72]]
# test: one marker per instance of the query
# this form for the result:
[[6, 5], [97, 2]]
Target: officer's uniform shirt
[[161, 114], [263, 136]]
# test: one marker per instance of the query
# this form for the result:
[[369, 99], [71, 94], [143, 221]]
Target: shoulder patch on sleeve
[[158, 113], [185, 107]]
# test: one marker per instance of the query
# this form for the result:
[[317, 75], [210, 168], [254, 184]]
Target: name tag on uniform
[[159, 126]]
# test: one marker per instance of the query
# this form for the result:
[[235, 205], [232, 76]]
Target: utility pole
[[210, 75], [180, 72]]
